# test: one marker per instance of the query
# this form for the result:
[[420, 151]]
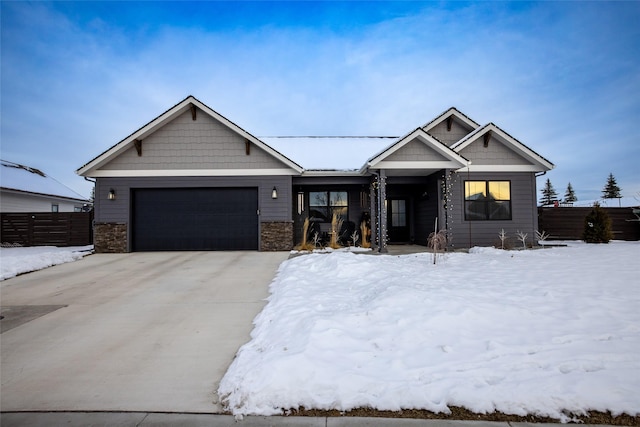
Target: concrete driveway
[[129, 332]]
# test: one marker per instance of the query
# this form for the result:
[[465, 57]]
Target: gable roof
[[167, 117], [453, 159], [540, 162], [448, 113], [26, 179]]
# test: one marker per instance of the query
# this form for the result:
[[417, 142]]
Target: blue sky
[[562, 77]]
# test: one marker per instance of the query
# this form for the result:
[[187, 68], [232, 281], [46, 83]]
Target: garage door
[[192, 219]]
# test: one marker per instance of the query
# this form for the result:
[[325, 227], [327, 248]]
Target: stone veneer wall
[[110, 237], [276, 236]]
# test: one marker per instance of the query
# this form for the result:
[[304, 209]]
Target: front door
[[398, 220]]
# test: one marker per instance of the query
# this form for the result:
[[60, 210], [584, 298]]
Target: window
[[487, 200], [398, 213], [323, 204], [54, 208]]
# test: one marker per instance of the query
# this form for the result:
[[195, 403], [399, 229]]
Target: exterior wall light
[[112, 194], [274, 193]]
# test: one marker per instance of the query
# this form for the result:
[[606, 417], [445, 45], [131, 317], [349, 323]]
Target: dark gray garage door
[[178, 219]]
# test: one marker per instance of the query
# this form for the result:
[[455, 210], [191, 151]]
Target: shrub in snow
[[523, 238], [437, 241], [597, 226], [354, 237], [317, 242], [541, 236], [503, 238]]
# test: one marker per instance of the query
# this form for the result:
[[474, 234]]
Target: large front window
[[323, 204], [487, 200]]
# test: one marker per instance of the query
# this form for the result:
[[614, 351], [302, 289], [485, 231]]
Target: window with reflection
[[487, 200], [323, 204]]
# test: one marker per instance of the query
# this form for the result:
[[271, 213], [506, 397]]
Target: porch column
[[373, 210], [382, 211]]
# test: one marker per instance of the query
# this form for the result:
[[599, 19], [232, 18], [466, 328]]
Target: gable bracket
[[487, 138], [247, 146], [449, 123], [138, 144], [193, 111]]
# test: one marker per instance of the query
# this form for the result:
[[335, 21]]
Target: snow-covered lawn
[[14, 261], [546, 332]]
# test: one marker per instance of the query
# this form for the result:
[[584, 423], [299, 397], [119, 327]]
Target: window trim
[[486, 201]]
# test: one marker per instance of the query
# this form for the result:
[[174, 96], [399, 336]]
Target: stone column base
[[109, 237], [276, 236]]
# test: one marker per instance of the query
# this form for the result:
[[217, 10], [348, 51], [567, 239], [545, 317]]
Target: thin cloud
[[560, 77]]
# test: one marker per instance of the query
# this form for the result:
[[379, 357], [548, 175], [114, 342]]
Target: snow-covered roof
[[329, 152], [14, 176]]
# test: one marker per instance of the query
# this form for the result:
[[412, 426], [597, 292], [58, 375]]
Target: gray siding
[[496, 153], [119, 210], [203, 143], [485, 233], [415, 151], [458, 131]]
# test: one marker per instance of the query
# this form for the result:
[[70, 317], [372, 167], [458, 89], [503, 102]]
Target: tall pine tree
[[569, 195], [549, 195], [611, 189]]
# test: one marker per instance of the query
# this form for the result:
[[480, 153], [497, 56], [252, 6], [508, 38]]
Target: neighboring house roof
[[165, 118], [26, 179], [488, 131]]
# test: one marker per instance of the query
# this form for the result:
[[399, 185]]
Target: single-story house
[[192, 179], [28, 189]]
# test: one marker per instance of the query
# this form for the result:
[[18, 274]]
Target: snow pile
[[14, 261], [545, 332]]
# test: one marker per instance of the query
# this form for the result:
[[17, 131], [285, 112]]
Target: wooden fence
[[568, 223], [47, 228]]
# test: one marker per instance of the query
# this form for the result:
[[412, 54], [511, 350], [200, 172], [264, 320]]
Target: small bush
[[597, 226]]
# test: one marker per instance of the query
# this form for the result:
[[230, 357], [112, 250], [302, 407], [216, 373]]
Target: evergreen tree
[[611, 189], [549, 195], [597, 226], [570, 195]]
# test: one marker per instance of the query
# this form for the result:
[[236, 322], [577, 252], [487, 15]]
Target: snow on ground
[[546, 332], [14, 261]]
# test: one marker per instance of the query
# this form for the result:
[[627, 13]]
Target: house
[[27, 189], [193, 180]]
